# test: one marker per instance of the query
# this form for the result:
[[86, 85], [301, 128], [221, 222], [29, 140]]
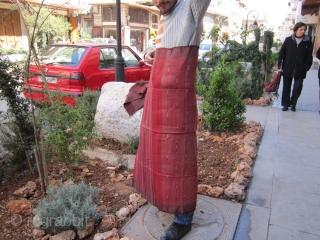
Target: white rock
[[215, 192], [37, 233], [203, 188], [123, 213], [235, 190], [136, 200], [111, 118], [113, 234], [87, 231], [66, 235]]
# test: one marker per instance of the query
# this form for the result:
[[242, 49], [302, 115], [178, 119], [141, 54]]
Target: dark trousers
[[286, 100], [184, 219]]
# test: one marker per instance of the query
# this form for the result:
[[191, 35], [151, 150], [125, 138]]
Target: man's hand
[[149, 56]]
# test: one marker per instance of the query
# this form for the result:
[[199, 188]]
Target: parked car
[[72, 68], [152, 47], [204, 47]]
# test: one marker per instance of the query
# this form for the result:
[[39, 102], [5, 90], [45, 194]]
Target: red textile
[[165, 171], [136, 96], [274, 85]]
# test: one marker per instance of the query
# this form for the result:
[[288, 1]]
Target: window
[[207, 19], [107, 58], [63, 55], [138, 15], [154, 18], [129, 58], [109, 14], [87, 26]]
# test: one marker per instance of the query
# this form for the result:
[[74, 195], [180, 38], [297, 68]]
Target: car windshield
[[63, 55]]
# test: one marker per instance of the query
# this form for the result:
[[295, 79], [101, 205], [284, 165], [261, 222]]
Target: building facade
[[97, 20], [13, 33], [138, 21], [306, 11]]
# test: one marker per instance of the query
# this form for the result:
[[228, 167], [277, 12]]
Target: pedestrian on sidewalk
[[165, 170], [112, 40], [295, 60]]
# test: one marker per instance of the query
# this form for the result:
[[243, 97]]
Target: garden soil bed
[[217, 160]]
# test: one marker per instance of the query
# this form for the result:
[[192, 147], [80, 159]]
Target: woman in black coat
[[295, 58]]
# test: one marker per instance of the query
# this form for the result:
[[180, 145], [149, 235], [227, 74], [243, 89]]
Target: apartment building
[[139, 19], [306, 11], [12, 29]]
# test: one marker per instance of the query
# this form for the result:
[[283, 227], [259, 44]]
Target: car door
[[133, 70], [91, 69], [106, 64]]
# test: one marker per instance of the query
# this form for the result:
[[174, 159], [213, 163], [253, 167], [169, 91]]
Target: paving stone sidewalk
[[283, 199]]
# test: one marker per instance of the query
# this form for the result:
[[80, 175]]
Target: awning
[[152, 9], [55, 5], [309, 7], [145, 2], [147, 6]]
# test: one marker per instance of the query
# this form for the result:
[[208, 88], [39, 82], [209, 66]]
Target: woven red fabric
[[135, 98], [274, 85], [165, 171]]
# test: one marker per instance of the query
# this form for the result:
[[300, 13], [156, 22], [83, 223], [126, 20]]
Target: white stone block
[[111, 118]]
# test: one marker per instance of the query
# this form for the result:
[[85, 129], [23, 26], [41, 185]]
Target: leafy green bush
[[257, 79], [88, 101], [133, 143], [274, 59], [234, 53], [222, 108], [67, 129], [68, 207], [243, 86], [5, 51], [205, 68], [242, 82], [16, 136]]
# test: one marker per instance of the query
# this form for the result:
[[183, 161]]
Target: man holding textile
[[165, 170]]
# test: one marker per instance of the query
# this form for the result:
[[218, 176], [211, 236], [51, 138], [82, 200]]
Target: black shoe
[[285, 109], [176, 231], [293, 109]]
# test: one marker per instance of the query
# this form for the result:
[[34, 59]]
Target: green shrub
[[133, 143], [274, 59], [67, 129], [16, 136], [222, 108], [88, 102], [68, 207], [242, 82], [243, 86], [205, 68], [5, 51]]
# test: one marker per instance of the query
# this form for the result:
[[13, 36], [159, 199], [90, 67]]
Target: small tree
[[214, 34], [47, 25], [224, 39], [253, 55], [222, 108], [268, 43]]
